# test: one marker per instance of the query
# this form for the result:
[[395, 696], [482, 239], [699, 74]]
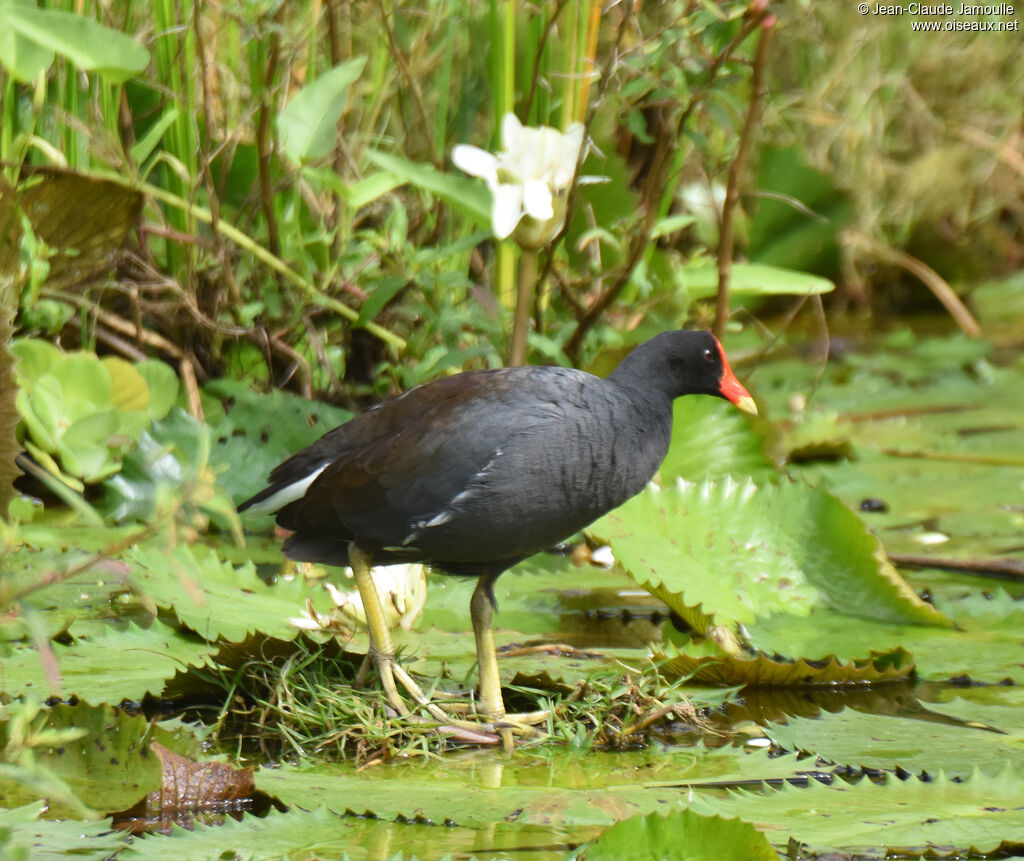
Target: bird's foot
[[485, 729]]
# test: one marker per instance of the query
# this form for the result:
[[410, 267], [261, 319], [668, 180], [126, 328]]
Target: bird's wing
[[391, 471]]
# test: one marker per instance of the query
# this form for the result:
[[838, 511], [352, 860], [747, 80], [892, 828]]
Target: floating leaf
[[943, 816], [48, 839], [951, 741], [99, 752], [682, 836], [218, 600], [115, 666], [731, 670], [295, 834], [981, 655], [559, 790], [188, 786], [729, 553], [712, 439]]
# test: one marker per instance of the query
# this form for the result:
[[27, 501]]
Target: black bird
[[474, 472]]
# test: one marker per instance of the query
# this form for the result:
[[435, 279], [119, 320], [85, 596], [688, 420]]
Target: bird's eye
[[709, 355]]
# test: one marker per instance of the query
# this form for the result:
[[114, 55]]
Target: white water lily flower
[[402, 590], [529, 178]]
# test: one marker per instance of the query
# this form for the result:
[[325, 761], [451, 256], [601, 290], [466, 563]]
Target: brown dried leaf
[[192, 785]]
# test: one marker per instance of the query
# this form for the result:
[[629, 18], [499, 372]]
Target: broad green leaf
[[956, 740], [308, 124], [466, 195], [34, 358], [682, 836], [52, 840], [23, 58], [560, 788], [727, 553], [88, 44], [371, 188], [42, 408], [753, 279], [981, 655], [129, 390], [312, 834], [217, 600], [163, 387], [83, 377], [712, 439], [912, 816], [100, 753], [115, 666], [261, 430]]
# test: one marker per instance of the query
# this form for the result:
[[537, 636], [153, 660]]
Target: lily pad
[[118, 665], [929, 741], [728, 553], [942, 816], [762, 670], [682, 836], [24, 835]]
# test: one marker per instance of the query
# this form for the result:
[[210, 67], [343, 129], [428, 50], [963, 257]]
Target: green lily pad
[[729, 553], [942, 816], [110, 759], [681, 835], [916, 743], [217, 600], [116, 666], [761, 670], [24, 835]]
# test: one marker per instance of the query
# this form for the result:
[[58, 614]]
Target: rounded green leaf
[[42, 411], [739, 552], [712, 439], [129, 390], [682, 836], [83, 377], [35, 358], [163, 386]]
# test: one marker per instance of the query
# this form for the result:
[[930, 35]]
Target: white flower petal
[[511, 133], [476, 162], [537, 200], [506, 210]]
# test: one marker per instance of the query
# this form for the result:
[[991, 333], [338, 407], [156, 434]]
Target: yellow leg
[[382, 654], [381, 650], [481, 611], [492, 705]]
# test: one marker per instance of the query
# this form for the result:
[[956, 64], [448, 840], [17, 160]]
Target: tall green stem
[[524, 302]]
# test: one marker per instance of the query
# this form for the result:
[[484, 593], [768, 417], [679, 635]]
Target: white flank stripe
[[288, 493]]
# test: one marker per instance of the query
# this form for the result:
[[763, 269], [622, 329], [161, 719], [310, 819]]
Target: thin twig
[[1003, 569], [931, 279], [736, 171], [410, 78], [653, 186]]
